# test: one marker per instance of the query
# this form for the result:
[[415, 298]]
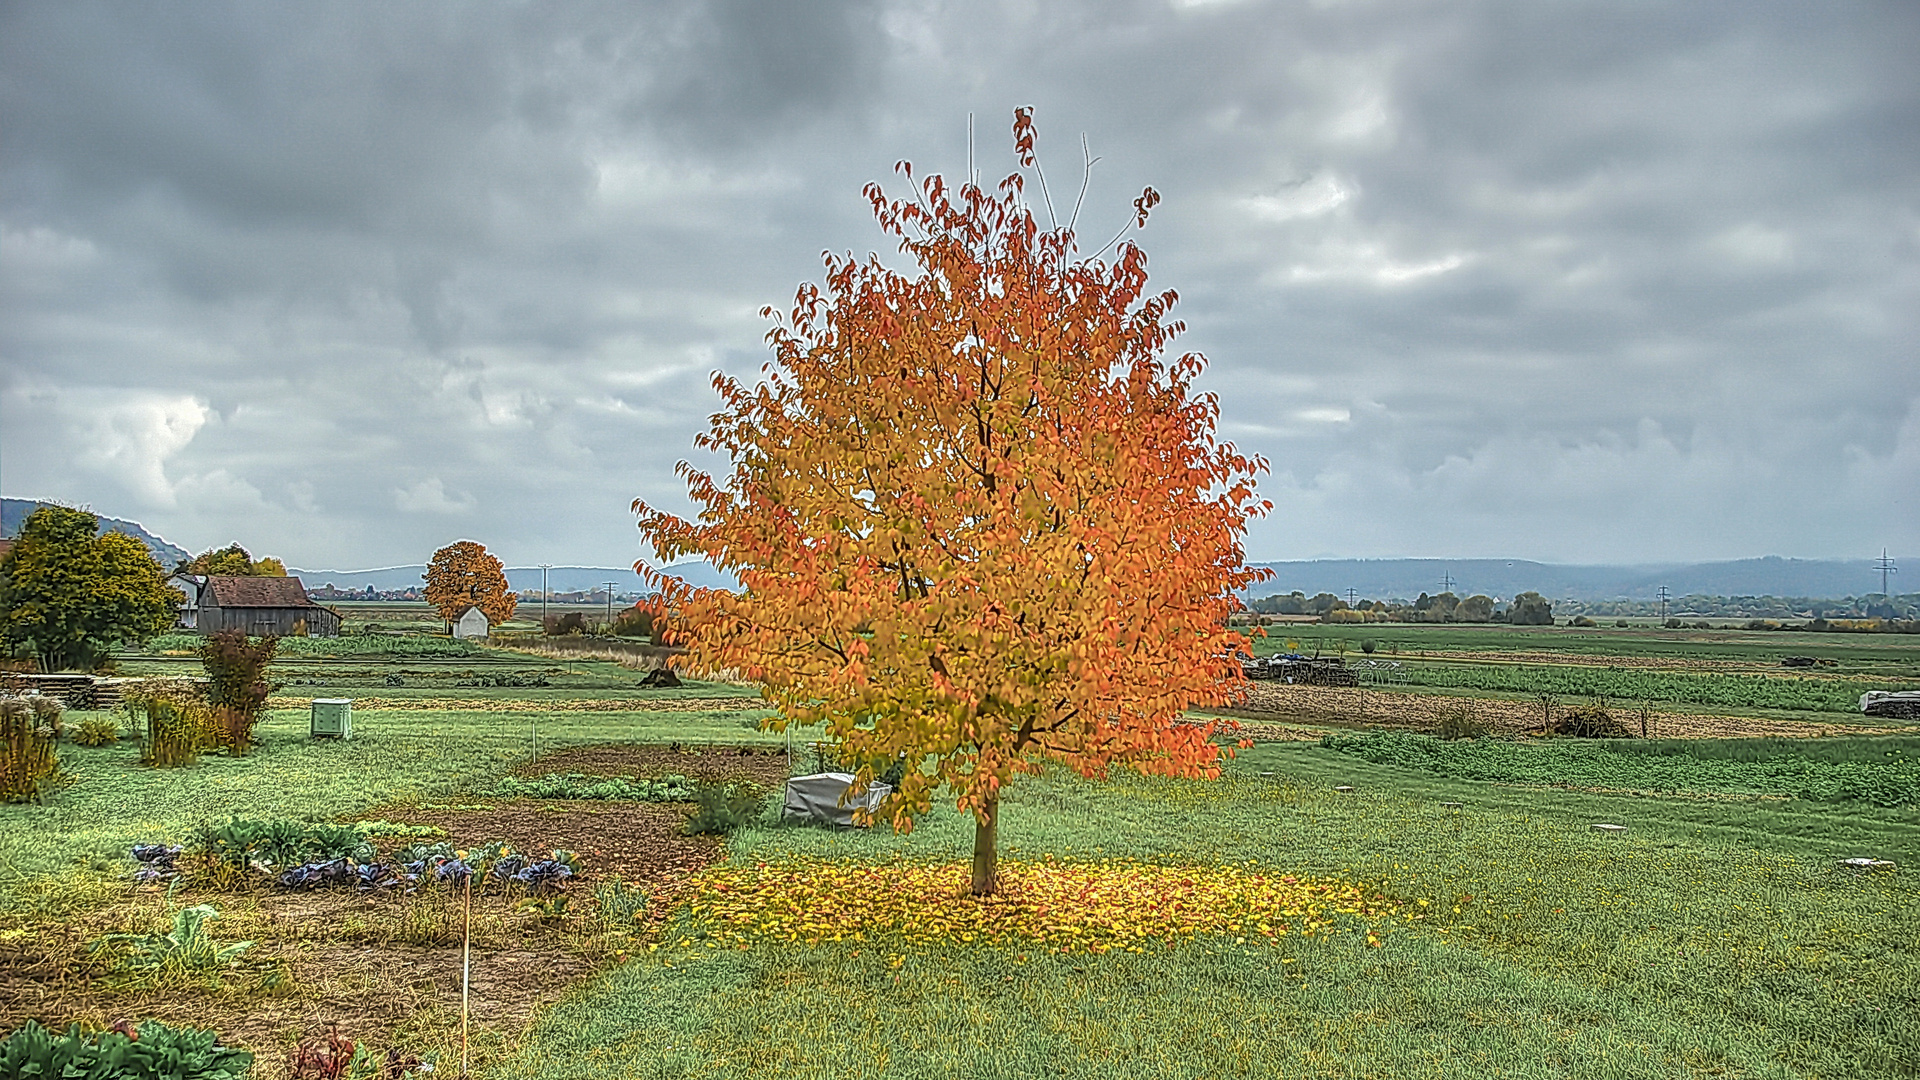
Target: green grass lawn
[[1716, 938]]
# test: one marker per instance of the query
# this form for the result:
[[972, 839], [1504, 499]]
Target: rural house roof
[[256, 592]]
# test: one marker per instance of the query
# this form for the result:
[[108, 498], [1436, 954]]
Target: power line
[[1886, 567], [609, 585], [1446, 582], [1663, 603]]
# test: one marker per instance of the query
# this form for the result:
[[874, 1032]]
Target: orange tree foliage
[[463, 575], [979, 521]]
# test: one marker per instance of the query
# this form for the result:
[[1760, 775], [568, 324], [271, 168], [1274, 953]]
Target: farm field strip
[[1350, 705]]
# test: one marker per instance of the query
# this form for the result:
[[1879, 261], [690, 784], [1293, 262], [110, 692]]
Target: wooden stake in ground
[[466, 969]]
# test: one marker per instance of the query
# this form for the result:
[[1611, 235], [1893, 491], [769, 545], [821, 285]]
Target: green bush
[[1460, 723], [720, 808], [154, 1052], [96, 731]]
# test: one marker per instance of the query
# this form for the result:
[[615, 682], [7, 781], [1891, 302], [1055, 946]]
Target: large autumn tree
[[463, 575], [980, 520], [69, 595], [232, 561]]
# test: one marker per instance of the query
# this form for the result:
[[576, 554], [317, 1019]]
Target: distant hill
[[519, 578], [1383, 579], [13, 513]]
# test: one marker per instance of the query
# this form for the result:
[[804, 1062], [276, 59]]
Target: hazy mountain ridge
[[1502, 578], [13, 513], [560, 579]]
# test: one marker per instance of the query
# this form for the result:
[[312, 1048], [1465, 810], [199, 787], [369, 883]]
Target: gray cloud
[[1583, 282]]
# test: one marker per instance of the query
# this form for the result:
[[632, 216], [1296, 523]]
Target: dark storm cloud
[[1603, 281]]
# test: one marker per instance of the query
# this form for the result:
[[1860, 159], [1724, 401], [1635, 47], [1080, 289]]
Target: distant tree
[[1475, 608], [232, 561], [68, 597], [1530, 609], [1323, 603], [463, 575]]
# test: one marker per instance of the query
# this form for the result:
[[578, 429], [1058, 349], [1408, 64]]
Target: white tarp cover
[[824, 797]]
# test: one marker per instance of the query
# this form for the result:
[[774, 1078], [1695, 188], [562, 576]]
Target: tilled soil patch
[[766, 766], [1349, 706], [633, 841], [384, 966]]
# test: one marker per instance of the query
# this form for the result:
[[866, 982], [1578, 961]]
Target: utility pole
[[1349, 596], [544, 567], [609, 585], [1663, 605], [1446, 582], [1886, 567]]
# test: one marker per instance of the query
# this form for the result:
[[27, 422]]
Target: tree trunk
[[986, 827]]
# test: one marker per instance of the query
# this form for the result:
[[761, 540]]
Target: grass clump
[[29, 762]]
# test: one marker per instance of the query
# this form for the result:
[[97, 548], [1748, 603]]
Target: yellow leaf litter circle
[[1069, 907]]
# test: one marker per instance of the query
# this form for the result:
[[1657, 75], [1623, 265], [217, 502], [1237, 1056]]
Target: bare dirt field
[[1422, 712]]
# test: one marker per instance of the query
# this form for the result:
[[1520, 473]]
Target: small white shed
[[470, 624]]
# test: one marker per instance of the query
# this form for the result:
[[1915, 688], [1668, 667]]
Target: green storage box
[[332, 718]]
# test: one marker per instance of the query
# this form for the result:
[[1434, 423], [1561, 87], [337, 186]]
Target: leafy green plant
[[186, 948], [154, 1052], [672, 788], [720, 808], [619, 904], [240, 843], [96, 731], [29, 763]]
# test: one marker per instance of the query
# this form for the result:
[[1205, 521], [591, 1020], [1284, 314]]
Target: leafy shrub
[[29, 763], [154, 1052], [237, 686], [672, 788], [633, 622], [720, 808], [1460, 723], [96, 731], [1591, 721], [185, 949], [560, 625]]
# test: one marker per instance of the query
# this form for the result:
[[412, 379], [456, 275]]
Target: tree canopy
[[68, 596], [462, 575], [979, 520], [232, 561]]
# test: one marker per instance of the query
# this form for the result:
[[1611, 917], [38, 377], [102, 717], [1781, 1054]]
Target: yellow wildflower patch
[[1069, 907]]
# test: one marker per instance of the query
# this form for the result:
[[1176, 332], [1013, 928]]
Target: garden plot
[[1423, 712]]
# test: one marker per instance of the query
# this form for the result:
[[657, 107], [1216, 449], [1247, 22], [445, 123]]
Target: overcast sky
[[1577, 282]]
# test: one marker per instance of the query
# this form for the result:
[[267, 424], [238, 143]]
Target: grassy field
[[1715, 938], [1506, 937]]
